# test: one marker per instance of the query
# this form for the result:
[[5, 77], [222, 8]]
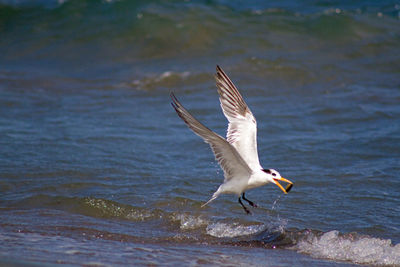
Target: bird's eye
[[273, 174]]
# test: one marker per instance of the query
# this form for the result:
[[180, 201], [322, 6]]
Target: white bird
[[237, 154]]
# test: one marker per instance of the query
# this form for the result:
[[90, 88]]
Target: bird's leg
[[250, 202], [244, 207]]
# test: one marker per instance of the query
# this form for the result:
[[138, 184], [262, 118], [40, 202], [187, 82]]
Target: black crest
[[267, 171]]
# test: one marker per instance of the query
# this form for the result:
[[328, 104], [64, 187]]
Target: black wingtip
[[173, 97], [175, 103], [219, 73]]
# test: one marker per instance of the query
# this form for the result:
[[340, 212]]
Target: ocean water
[[97, 169]]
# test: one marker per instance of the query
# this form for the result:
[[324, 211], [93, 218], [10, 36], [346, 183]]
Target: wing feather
[[242, 127], [228, 158]]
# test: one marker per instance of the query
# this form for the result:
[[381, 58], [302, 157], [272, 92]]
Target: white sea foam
[[167, 78], [232, 230], [95, 264], [72, 251], [348, 247], [137, 215], [190, 221]]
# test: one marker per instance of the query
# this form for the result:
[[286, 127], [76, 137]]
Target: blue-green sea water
[[96, 168]]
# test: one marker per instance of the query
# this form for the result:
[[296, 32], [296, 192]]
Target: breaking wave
[[350, 247], [331, 245]]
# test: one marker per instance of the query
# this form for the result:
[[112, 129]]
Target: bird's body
[[237, 154]]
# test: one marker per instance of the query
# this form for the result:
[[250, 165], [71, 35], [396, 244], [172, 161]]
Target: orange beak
[[288, 187]]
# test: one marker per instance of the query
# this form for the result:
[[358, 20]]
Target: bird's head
[[275, 177]]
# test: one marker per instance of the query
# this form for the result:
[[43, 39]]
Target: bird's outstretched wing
[[231, 162], [242, 127]]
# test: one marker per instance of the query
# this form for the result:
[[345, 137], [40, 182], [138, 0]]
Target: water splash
[[279, 223], [232, 229], [188, 222], [275, 204]]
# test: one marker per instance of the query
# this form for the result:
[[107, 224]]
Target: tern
[[237, 154]]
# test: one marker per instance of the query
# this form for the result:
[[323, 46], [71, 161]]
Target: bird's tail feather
[[214, 196]]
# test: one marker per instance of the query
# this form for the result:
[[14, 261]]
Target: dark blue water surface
[[97, 169]]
